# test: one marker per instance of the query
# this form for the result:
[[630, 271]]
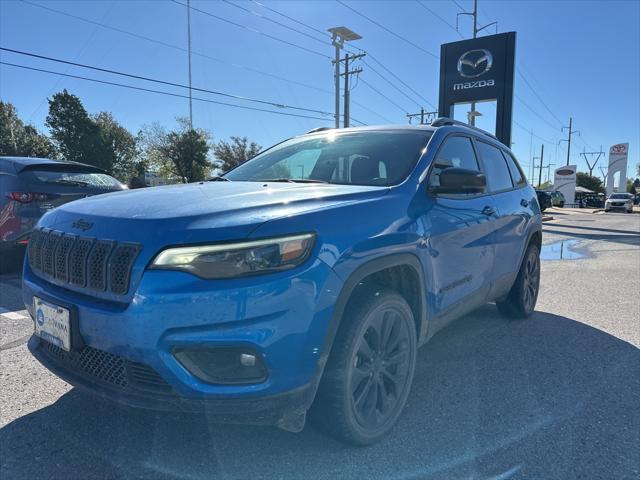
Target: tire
[[561, 205], [365, 384], [521, 300]]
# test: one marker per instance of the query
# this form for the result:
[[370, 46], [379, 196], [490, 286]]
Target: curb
[[547, 218]]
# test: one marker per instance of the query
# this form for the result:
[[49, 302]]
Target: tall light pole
[[339, 35], [476, 30], [189, 53]]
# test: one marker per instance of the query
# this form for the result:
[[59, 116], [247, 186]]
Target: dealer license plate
[[52, 323]]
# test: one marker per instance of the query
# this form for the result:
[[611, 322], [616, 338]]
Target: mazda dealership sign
[[476, 70]]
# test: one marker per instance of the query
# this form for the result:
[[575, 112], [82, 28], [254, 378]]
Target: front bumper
[[623, 206], [283, 317]]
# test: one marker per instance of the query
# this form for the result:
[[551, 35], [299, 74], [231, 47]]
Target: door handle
[[524, 203], [488, 210]]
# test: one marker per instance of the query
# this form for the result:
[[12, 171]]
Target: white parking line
[[15, 315]]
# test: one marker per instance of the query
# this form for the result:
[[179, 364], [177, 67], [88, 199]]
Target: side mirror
[[460, 180]]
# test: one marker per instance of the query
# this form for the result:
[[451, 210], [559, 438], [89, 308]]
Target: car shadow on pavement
[[547, 397]]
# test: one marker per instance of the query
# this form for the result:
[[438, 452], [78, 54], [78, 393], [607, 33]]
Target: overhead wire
[[177, 47], [150, 90], [250, 29], [388, 30], [164, 82]]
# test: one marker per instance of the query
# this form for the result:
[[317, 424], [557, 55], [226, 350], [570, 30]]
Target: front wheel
[[521, 300], [368, 376]]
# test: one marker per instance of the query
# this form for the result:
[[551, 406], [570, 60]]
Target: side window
[[455, 152], [516, 173], [495, 167]]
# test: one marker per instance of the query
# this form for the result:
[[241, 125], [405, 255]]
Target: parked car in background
[[544, 199], [276, 289], [619, 201], [30, 187], [557, 199]]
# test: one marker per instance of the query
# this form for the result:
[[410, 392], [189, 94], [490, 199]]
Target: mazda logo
[[474, 63], [82, 224]]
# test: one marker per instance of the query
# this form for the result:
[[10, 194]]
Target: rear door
[[459, 237], [509, 197]]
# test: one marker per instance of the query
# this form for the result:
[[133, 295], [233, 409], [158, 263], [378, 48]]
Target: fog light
[[247, 360], [222, 365]]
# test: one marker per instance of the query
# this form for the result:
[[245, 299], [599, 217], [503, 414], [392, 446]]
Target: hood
[[189, 213]]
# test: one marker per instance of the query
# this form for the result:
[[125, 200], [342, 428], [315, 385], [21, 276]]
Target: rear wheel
[[369, 373], [521, 300]]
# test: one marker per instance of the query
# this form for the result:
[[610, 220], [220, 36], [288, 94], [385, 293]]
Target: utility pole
[[569, 139], [541, 161], [189, 54], [531, 154], [549, 165], [476, 30], [339, 35], [347, 92], [425, 117], [604, 172], [591, 167]]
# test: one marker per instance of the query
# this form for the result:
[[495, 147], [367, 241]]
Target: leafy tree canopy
[[18, 139], [589, 181], [231, 154]]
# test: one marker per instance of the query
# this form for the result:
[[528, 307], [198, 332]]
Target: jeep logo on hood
[[82, 224]]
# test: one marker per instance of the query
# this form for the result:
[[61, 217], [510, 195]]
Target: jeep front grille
[[84, 262]]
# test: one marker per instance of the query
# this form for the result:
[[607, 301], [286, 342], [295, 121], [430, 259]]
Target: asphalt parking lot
[[556, 396]]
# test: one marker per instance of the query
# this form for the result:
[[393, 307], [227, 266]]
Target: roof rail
[[442, 121], [319, 129]]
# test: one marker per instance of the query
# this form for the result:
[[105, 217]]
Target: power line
[[383, 95], [291, 18], [442, 19], [177, 47], [539, 97], [555, 127], [160, 92], [533, 134], [164, 82], [250, 29], [388, 30], [254, 13], [400, 80], [391, 83], [458, 5]]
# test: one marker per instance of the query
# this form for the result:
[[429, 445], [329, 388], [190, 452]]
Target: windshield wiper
[[62, 181], [291, 180], [218, 179]]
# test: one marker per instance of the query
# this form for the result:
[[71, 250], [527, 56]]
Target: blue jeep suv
[[302, 281]]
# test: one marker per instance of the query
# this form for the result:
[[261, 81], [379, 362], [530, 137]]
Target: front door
[[458, 236]]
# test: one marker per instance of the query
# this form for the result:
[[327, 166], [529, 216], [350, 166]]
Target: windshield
[[75, 178], [620, 196], [358, 158]]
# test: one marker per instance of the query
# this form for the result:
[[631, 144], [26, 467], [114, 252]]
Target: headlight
[[238, 259]]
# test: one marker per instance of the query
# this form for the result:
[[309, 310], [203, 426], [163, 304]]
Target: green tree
[[118, 147], [631, 187], [545, 185], [18, 139], [75, 134], [589, 181], [97, 140], [185, 152], [231, 154]]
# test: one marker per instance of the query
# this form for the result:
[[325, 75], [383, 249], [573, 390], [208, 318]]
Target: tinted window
[[495, 167], [455, 152], [516, 174], [359, 158]]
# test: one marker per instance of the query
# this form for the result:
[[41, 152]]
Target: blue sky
[[582, 59]]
